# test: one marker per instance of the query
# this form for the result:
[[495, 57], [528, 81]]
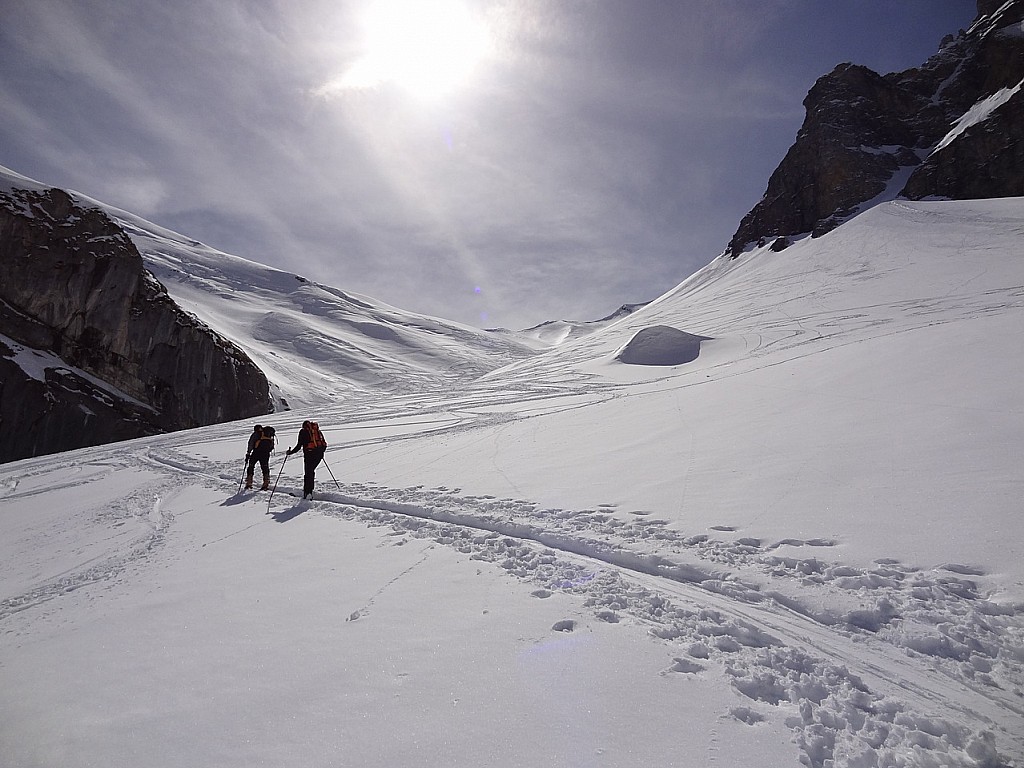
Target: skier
[[261, 443], [311, 442]]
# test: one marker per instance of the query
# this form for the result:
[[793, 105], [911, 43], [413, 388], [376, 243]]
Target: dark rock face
[[74, 285], [61, 410], [869, 137], [987, 160]]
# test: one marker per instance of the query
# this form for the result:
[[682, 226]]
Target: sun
[[428, 47]]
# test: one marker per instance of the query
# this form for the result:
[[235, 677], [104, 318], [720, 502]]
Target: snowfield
[[771, 519]]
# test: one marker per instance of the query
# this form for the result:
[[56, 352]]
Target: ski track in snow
[[861, 686], [142, 507]]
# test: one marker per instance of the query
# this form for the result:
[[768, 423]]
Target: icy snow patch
[[33, 362], [36, 362], [979, 113]]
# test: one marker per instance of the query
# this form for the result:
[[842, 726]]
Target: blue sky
[[581, 154]]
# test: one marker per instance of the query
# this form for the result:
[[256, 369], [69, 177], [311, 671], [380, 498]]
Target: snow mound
[[660, 345]]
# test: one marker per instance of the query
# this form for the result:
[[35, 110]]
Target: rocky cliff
[[92, 348], [951, 128]]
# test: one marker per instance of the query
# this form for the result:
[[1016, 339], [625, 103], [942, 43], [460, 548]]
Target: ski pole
[[245, 466], [331, 474], [286, 455]]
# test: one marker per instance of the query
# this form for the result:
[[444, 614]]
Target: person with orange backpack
[[312, 444]]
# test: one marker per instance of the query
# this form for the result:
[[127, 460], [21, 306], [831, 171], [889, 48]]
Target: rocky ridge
[[93, 349], [951, 128]]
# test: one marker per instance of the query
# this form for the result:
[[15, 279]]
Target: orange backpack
[[316, 438]]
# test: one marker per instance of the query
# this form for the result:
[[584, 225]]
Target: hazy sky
[[494, 162]]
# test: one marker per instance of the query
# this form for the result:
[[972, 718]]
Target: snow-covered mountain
[[555, 332], [952, 128], [93, 349], [949, 127], [801, 547], [317, 344], [772, 518]]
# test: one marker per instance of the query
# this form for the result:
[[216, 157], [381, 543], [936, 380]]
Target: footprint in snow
[[747, 715], [963, 570], [685, 666]]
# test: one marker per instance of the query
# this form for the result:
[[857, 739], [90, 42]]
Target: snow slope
[[316, 344], [801, 547], [555, 332]]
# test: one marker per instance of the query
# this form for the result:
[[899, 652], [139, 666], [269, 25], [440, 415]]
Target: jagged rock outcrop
[[951, 128], [95, 349]]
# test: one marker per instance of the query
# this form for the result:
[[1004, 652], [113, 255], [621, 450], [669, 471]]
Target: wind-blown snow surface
[[801, 547]]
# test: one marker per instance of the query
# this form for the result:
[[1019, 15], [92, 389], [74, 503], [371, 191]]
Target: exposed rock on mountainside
[[951, 128], [95, 349]]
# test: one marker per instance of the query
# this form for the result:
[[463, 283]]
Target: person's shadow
[[289, 514]]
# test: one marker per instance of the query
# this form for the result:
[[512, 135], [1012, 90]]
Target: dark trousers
[[263, 457], [312, 458]]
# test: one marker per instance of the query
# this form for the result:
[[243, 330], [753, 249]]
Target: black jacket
[[303, 441]]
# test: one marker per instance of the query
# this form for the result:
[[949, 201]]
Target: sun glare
[[428, 47]]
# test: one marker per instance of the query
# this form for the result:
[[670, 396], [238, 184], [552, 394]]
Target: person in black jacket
[[312, 444], [261, 443]]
